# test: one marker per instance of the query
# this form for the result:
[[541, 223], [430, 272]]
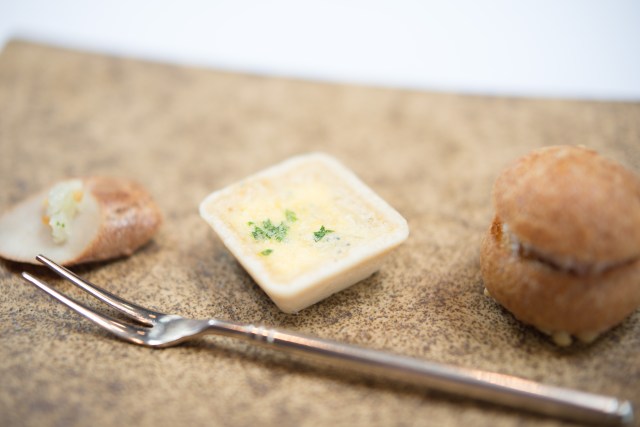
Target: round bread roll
[[109, 217], [563, 251]]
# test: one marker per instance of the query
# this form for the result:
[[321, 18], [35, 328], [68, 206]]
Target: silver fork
[[157, 329]]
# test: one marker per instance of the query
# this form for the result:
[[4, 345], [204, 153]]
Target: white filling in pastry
[[61, 207]]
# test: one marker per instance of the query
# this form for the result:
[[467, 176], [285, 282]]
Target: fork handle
[[490, 387]]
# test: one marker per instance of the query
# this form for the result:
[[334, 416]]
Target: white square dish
[[304, 229]]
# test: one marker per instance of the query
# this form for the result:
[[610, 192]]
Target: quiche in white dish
[[305, 228]]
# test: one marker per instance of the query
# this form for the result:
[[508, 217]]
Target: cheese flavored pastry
[[563, 250]]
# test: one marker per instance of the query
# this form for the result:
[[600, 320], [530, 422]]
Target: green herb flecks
[[318, 235], [266, 252], [290, 215], [269, 231]]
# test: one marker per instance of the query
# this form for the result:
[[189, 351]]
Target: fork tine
[[136, 312], [122, 330]]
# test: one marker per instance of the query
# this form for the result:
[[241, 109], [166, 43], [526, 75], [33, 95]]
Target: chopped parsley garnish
[[318, 235], [290, 215], [269, 231]]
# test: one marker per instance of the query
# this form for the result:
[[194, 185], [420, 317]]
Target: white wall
[[565, 48]]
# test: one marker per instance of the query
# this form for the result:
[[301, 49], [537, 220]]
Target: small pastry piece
[[304, 229], [563, 250], [80, 220]]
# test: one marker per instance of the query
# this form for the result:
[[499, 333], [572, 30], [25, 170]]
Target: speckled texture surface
[[185, 132]]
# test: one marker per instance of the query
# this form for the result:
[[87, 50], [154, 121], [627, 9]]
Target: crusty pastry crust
[[554, 300], [130, 218], [563, 250], [117, 217], [573, 206]]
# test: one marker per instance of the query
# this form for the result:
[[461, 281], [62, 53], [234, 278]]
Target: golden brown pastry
[[563, 251], [80, 220]]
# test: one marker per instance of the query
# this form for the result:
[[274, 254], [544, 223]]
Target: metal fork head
[[154, 329]]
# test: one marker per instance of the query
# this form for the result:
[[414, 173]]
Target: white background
[[545, 48]]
